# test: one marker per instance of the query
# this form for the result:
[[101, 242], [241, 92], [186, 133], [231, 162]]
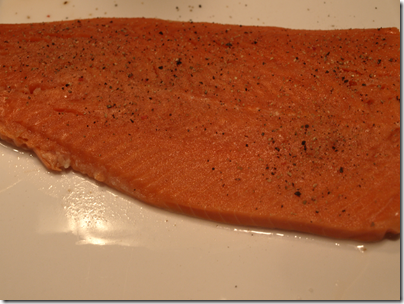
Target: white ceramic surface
[[63, 236]]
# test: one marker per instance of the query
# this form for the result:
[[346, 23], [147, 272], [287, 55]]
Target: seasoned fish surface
[[257, 126]]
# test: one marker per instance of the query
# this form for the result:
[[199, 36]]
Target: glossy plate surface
[[64, 236]]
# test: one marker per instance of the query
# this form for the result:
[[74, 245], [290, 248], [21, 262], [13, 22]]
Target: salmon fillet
[[257, 126]]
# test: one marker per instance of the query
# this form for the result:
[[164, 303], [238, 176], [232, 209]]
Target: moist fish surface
[[257, 126]]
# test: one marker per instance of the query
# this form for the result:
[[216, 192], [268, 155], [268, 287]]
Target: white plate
[[64, 236]]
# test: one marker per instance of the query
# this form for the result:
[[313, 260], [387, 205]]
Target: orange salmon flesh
[[255, 126]]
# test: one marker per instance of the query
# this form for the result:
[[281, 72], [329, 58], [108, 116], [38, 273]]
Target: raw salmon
[[257, 126]]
